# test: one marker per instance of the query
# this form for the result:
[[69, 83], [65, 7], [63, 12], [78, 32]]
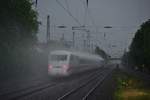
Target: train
[[65, 63]]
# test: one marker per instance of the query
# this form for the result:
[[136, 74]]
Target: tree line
[[18, 30], [139, 53]]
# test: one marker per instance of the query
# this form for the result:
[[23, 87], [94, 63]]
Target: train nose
[[50, 67], [65, 67]]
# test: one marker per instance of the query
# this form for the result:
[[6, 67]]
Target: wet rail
[[34, 90], [84, 90], [58, 85], [26, 91]]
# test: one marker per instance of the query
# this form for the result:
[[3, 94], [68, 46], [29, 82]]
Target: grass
[[130, 88]]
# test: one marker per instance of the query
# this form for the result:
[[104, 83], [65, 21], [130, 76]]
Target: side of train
[[61, 62]]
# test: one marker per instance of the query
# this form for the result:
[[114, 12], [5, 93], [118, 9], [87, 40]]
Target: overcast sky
[[124, 16]]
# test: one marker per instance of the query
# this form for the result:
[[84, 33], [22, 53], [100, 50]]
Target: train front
[[58, 64]]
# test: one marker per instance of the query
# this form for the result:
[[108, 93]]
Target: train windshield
[[58, 57]]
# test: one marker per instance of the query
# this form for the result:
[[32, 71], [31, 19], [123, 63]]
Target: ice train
[[62, 62]]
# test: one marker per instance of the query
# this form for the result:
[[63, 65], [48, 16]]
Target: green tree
[[101, 53], [18, 29], [18, 23], [140, 47]]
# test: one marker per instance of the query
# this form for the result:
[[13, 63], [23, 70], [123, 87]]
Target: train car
[[62, 62]]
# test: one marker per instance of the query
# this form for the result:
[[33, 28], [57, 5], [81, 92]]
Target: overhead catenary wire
[[85, 15], [69, 13], [67, 4], [88, 12]]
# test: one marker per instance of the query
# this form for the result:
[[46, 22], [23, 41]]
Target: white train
[[62, 62]]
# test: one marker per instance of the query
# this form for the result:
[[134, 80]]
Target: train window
[[82, 61], [58, 57], [71, 57], [74, 59]]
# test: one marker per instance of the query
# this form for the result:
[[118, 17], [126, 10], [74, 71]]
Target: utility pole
[[63, 37], [84, 43], [88, 39], [36, 3], [92, 47], [73, 39], [48, 28]]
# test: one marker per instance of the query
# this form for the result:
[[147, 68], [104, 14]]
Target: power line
[[67, 4], [90, 15], [69, 13]]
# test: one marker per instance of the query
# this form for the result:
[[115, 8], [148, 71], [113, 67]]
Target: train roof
[[60, 52], [79, 54]]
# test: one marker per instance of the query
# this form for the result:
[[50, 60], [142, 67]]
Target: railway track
[[26, 91], [34, 90], [34, 95], [14, 86], [86, 89]]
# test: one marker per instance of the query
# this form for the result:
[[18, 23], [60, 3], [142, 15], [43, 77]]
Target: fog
[[124, 16]]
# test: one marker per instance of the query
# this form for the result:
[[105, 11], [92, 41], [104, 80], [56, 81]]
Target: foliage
[[140, 47], [127, 59], [130, 88], [18, 22], [18, 28], [101, 52]]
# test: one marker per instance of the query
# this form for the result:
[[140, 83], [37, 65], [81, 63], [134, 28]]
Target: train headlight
[[50, 67], [65, 67]]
